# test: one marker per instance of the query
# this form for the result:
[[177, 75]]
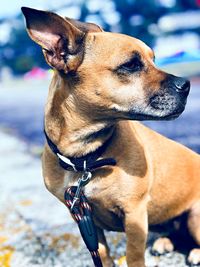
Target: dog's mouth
[[142, 117], [160, 107], [169, 101], [168, 106]]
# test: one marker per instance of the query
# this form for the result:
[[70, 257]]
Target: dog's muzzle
[[170, 100]]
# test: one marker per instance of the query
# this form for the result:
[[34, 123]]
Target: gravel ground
[[35, 228]]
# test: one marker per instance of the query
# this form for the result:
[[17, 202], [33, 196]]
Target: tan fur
[[155, 179]]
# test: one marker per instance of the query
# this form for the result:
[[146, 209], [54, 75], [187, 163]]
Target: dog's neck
[[74, 134]]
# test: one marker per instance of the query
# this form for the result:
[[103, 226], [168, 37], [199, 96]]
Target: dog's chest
[[107, 214]]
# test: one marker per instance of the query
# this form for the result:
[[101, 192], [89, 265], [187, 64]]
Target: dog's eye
[[132, 65]]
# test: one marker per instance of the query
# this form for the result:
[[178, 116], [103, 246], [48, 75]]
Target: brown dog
[[102, 81]]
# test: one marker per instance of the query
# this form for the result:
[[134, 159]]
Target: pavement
[[36, 230]]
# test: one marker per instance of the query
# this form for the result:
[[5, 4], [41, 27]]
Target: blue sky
[[10, 8]]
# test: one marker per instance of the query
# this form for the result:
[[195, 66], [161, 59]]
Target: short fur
[[108, 81]]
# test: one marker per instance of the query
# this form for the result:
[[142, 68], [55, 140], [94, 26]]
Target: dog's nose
[[182, 85]]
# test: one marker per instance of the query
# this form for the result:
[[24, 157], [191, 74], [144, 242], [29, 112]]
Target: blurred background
[[170, 27]]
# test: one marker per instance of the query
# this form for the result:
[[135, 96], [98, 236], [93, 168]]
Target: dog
[[103, 84]]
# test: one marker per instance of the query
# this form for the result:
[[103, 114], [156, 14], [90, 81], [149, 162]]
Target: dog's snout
[[182, 85], [178, 85]]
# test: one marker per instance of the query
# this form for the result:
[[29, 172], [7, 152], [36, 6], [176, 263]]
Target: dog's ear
[[61, 41], [85, 26]]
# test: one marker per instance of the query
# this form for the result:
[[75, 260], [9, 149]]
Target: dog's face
[[113, 76]]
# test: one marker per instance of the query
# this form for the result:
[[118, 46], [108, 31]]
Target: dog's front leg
[[104, 249], [136, 227]]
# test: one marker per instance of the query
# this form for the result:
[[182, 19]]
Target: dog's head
[[109, 75]]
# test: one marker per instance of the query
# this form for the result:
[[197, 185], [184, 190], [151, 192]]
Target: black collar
[[88, 162]]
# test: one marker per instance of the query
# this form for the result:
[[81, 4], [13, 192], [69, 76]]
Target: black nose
[[182, 85]]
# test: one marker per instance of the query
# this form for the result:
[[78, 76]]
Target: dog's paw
[[162, 246], [194, 257]]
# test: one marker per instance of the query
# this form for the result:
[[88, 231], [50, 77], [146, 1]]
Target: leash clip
[[83, 181]]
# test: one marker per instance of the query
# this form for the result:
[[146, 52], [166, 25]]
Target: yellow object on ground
[[122, 261], [26, 202], [5, 256]]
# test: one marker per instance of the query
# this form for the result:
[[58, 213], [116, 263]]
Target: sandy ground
[[35, 229]]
